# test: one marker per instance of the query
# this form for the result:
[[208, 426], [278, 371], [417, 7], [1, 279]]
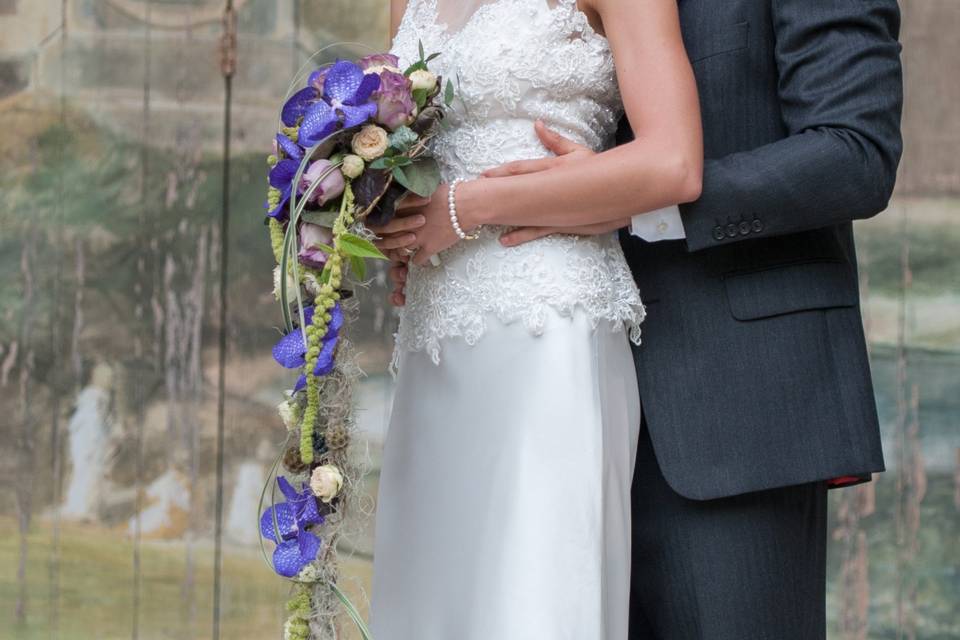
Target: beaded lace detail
[[513, 62]]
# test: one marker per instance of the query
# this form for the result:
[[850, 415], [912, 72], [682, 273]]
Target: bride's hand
[[437, 233], [396, 237]]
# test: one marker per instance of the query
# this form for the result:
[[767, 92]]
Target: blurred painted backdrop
[[112, 120]]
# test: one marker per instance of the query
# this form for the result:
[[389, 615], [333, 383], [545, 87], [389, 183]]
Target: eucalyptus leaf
[[448, 93], [354, 245], [381, 163], [400, 176], [422, 177]]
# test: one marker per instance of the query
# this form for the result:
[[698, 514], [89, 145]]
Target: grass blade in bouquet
[[351, 143]]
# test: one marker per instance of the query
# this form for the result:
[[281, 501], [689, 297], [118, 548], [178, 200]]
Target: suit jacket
[[753, 371]]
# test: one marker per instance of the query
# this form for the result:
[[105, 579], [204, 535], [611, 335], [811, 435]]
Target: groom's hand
[[565, 151], [520, 235]]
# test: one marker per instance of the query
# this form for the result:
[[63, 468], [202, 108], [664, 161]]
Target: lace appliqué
[[483, 280], [549, 65]]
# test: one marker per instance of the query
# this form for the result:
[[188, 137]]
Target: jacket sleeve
[[841, 94]]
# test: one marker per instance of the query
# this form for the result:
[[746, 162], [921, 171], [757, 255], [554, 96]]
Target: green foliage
[[359, 267], [390, 162], [422, 177], [322, 218], [355, 246], [448, 93], [420, 97]]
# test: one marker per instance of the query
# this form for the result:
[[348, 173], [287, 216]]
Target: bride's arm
[[397, 7], [661, 167]]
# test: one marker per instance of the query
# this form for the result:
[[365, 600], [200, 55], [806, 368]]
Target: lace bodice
[[512, 62]]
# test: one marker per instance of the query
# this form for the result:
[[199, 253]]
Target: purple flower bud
[[379, 60], [395, 104], [311, 237], [329, 188]]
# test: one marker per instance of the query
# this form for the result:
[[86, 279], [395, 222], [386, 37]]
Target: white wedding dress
[[504, 502]]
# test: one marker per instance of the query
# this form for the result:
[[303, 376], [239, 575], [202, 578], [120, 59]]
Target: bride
[[504, 506]]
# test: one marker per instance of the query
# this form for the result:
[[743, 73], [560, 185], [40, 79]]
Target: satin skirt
[[504, 503]]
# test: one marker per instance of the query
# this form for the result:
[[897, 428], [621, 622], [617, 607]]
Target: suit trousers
[[747, 567]]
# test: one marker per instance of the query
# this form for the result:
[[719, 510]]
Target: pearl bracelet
[[452, 202]]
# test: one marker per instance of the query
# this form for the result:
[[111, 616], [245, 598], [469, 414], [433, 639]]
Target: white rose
[[423, 79], [352, 166], [380, 68], [370, 142], [289, 413], [326, 481], [291, 283]]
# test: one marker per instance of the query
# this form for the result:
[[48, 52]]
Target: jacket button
[[744, 228], [732, 230], [757, 225], [718, 233]]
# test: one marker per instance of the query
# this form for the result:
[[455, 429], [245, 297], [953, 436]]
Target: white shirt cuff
[[662, 224]]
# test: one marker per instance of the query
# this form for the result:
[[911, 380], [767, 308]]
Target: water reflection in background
[[111, 113]]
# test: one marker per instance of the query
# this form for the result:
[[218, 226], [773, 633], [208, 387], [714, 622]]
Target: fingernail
[[421, 219], [505, 241]]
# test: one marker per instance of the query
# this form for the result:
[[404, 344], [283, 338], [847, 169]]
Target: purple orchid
[[291, 353], [281, 176], [289, 148], [344, 99], [311, 253], [283, 173], [296, 547]]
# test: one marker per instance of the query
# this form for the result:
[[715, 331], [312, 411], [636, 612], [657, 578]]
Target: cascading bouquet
[[351, 143]]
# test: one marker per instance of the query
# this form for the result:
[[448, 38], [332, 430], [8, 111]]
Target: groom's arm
[[841, 94]]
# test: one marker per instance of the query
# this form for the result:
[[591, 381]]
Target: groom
[[753, 374]]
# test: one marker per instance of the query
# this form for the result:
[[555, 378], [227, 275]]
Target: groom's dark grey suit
[[753, 373]]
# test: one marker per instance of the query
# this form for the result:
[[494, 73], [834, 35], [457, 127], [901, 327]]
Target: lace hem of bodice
[[475, 284]]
